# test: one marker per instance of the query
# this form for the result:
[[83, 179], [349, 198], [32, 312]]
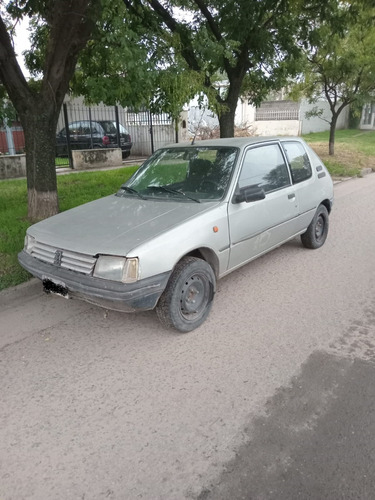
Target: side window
[[74, 128], [85, 128], [298, 160], [264, 167], [94, 128]]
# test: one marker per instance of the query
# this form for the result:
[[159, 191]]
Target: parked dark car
[[86, 134]]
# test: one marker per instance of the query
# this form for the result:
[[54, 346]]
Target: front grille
[[74, 261]]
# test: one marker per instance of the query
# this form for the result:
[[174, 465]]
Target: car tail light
[[105, 140]]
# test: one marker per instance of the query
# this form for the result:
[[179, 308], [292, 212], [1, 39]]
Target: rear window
[[298, 161], [109, 127]]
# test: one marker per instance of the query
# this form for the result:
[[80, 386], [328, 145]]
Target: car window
[[75, 128], [264, 167], [85, 128], [298, 160], [109, 127], [201, 173], [122, 129]]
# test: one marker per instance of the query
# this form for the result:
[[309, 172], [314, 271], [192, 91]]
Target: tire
[[316, 233], [187, 299]]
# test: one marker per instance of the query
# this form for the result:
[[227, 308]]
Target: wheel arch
[[206, 254], [327, 204]]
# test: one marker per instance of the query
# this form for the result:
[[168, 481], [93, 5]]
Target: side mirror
[[248, 194]]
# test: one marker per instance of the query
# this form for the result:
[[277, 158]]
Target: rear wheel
[[317, 232], [187, 299]]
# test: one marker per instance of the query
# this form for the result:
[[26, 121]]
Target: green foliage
[[339, 60]]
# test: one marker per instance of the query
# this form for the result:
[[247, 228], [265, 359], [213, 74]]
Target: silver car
[[191, 214]]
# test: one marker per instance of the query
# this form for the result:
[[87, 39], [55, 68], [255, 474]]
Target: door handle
[[291, 196]]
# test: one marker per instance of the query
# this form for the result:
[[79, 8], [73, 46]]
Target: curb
[[362, 173], [365, 171]]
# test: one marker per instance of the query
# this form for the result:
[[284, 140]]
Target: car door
[[303, 179], [257, 226]]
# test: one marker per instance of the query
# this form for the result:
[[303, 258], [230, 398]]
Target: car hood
[[114, 225]]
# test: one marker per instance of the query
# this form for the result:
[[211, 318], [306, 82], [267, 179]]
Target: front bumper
[[140, 296]]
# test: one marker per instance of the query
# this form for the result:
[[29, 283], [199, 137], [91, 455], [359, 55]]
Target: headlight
[[29, 243], [117, 268]]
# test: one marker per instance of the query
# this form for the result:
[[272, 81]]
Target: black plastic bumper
[[140, 296]]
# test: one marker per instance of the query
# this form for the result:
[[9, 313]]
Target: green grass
[[74, 189], [360, 140], [354, 150]]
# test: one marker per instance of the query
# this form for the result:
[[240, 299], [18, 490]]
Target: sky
[[21, 43]]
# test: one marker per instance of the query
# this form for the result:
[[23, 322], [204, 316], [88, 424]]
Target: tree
[[340, 62], [129, 63], [249, 44], [67, 26]]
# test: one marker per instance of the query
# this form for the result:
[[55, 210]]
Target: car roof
[[237, 142]]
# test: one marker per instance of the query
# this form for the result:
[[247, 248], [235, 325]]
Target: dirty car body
[[191, 214]]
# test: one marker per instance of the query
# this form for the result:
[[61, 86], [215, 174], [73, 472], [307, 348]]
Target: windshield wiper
[[173, 191], [132, 191]]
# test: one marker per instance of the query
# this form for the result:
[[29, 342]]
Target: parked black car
[[86, 134]]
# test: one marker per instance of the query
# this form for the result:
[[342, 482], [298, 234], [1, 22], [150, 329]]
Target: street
[[272, 397]]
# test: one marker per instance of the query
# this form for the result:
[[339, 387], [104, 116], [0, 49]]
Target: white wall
[[245, 114], [316, 124], [276, 127]]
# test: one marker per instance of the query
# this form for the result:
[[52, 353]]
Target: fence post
[[176, 130], [90, 118], [117, 127], [151, 132], [66, 122]]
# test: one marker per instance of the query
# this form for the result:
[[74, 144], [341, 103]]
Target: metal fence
[[276, 114], [277, 110], [148, 131]]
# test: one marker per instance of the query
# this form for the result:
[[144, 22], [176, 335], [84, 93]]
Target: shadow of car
[[86, 134]]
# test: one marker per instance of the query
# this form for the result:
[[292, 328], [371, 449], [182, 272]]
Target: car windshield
[[187, 173]]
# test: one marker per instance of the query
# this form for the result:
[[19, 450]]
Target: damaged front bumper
[[140, 296]]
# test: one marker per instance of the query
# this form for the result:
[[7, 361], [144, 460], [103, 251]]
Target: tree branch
[[10, 71], [211, 22], [187, 51], [70, 31]]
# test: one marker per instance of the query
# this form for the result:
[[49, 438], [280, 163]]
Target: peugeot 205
[[191, 214]]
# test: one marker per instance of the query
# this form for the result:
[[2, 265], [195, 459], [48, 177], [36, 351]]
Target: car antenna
[[196, 130]]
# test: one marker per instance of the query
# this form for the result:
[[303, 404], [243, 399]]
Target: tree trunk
[[39, 124], [70, 25], [226, 121], [332, 131], [229, 105]]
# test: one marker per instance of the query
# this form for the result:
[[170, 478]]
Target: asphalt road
[[272, 398]]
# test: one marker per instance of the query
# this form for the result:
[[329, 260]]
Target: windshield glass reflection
[[188, 174]]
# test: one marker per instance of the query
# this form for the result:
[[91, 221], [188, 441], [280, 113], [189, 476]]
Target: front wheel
[[317, 232], [187, 299]]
